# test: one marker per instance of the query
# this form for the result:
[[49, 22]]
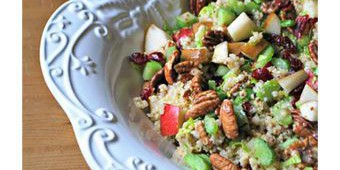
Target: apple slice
[[241, 28], [201, 55], [290, 82], [309, 111], [308, 94], [272, 24], [252, 51], [155, 39], [235, 47], [171, 120], [221, 53]]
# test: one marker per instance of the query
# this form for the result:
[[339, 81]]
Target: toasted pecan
[[313, 50], [221, 163], [157, 79], [185, 66], [169, 71], [204, 105], [302, 127], [196, 84], [203, 134], [228, 119]]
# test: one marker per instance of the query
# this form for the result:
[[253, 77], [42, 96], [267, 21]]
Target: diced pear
[[221, 53], [311, 8], [155, 39], [201, 55], [252, 51], [290, 82], [308, 94], [309, 111], [272, 24], [241, 28], [235, 47]]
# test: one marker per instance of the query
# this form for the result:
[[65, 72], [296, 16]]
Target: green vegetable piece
[[212, 85], [265, 57], [186, 20], [281, 112], [291, 161], [308, 168], [249, 92], [258, 1], [169, 51], [221, 94], [287, 23], [197, 161], [199, 36], [303, 41], [222, 70], [288, 142], [206, 12], [315, 71], [151, 68], [231, 73], [252, 6], [247, 67], [241, 117], [210, 125], [265, 91], [238, 6], [281, 63], [235, 144], [262, 152], [225, 16]]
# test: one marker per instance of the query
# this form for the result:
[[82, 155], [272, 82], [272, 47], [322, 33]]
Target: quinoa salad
[[234, 84]]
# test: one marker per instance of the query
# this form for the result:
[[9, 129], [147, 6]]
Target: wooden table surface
[[48, 138]]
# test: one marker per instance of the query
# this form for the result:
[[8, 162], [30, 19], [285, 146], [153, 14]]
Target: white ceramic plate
[[83, 59]]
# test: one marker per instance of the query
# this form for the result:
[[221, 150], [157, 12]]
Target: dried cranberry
[[138, 58], [157, 56], [146, 93], [297, 91], [295, 63], [303, 25], [262, 74], [247, 107], [281, 41]]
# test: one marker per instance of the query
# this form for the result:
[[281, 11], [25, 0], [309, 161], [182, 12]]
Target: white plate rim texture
[[78, 41]]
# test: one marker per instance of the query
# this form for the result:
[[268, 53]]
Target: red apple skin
[[311, 82], [182, 33], [171, 120]]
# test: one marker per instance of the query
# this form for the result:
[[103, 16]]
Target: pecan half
[[302, 127], [196, 84], [213, 38], [169, 71], [202, 107], [221, 163], [235, 88], [313, 50], [228, 119], [185, 66], [157, 80], [203, 134]]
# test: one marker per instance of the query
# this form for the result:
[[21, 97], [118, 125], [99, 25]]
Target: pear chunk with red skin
[[290, 82], [252, 51], [171, 120], [155, 39], [272, 24]]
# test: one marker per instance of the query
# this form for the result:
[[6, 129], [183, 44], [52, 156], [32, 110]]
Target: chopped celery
[[315, 71], [258, 1], [287, 23], [186, 128], [281, 112], [237, 6], [281, 63], [247, 67], [266, 90], [186, 20], [288, 142], [235, 144], [206, 12], [265, 57], [210, 125], [199, 36], [222, 70], [169, 51], [212, 85], [262, 151], [291, 161], [221, 94], [252, 6], [231, 73], [225, 16], [249, 92], [308, 168], [303, 41], [151, 68], [197, 161]]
